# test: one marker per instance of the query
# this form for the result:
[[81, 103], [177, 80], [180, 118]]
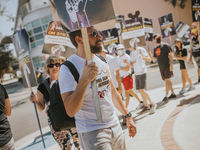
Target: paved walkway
[[175, 125]]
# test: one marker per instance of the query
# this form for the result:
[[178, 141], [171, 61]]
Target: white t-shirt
[[122, 64], [139, 65], [113, 66], [86, 117]]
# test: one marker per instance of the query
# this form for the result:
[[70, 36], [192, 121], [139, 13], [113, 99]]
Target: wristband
[[128, 115]]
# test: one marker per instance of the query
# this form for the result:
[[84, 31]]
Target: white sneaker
[[152, 109], [182, 91], [140, 106], [191, 88]]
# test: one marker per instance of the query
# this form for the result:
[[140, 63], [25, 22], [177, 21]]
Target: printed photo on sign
[[183, 30], [148, 29], [21, 42], [75, 14], [167, 25], [57, 42], [119, 19], [195, 10], [133, 32], [110, 40]]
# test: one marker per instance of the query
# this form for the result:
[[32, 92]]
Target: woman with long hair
[[64, 137], [181, 55]]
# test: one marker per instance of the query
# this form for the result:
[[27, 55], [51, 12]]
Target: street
[[23, 119]]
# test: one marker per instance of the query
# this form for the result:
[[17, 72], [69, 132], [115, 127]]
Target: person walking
[[195, 50], [137, 62], [63, 138], [39, 75], [164, 55], [6, 138], [181, 56], [105, 134]]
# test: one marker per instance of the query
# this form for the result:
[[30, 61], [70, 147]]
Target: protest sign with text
[[57, 42], [148, 29], [183, 30], [195, 10]]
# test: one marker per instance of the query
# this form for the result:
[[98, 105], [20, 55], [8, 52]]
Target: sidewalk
[[174, 125]]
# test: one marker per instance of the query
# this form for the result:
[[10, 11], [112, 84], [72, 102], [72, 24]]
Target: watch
[[128, 115]]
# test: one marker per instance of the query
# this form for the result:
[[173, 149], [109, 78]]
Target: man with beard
[[79, 102], [164, 55]]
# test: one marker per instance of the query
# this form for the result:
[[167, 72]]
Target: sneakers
[[182, 91], [165, 99], [140, 106], [191, 88], [152, 109], [145, 109], [172, 96]]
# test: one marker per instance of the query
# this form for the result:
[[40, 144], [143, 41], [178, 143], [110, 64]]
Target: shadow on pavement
[[187, 101], [38, 144], [13, 87]]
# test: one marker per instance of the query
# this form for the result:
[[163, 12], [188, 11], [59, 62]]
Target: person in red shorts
[[164, 55], [126, 76]]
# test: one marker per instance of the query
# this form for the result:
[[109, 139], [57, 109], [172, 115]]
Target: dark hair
[[177, 47], [73, 35]]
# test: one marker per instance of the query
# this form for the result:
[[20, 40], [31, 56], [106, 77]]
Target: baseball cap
[[120, 46], [157, 36], [179, 40]]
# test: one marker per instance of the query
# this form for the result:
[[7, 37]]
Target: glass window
[[28, 27], [45, 27], [37, 30], [40, 42], [47, 19], [33, 45], [39, 36], [32, 39], [30, 32], [36, 23]]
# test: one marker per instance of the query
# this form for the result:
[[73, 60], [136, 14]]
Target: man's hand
[[131, 127], [171, 67], [90, 72]]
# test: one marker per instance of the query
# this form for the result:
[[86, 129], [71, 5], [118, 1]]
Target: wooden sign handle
[[147, 46], [86, 44]]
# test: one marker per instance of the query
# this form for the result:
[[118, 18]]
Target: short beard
[[95, 49], [158, 40]]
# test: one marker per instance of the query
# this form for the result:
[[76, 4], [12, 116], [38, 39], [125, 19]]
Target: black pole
[[39, 124]]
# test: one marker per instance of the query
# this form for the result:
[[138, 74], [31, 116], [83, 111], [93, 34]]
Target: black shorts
[[166, 74], [140, 81]]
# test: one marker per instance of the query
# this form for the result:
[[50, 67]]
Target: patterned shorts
[[64, 138]]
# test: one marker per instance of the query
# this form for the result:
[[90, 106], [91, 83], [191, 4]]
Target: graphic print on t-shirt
[[158, 51]]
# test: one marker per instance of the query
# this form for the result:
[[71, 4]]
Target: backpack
[[56, 112]]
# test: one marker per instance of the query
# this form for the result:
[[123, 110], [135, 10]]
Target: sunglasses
[[52, 65], [96, 33]]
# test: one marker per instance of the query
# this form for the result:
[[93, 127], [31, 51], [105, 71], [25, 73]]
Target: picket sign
[[93, 83]]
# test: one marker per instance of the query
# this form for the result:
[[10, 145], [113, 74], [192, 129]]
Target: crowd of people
[[113, 73]]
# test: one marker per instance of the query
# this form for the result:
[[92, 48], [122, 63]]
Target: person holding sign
[[137, 62], [195, 50], [63, 138], [164, 55], [181, 55], [79, 102]]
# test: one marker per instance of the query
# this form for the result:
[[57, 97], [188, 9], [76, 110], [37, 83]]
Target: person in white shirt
[[78, 99], [114, 69], [126, 76], [137, 62]]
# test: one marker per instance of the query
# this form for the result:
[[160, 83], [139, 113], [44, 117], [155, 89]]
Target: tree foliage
[[4, 11], [180, 3], [6, 59]]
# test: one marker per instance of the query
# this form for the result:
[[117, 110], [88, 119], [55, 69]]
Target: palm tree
[[180, 3]]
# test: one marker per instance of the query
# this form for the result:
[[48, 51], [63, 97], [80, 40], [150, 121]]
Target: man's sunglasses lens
[[96, 33], [52, 65]]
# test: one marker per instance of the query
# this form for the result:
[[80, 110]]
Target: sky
[[5, 24]]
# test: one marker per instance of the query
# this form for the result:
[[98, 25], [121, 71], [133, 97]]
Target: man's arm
[[180, 58], [147, 58], [118, 81], [171, 61], [7, 108], [116, 98], [151, 56], [73, 100]]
